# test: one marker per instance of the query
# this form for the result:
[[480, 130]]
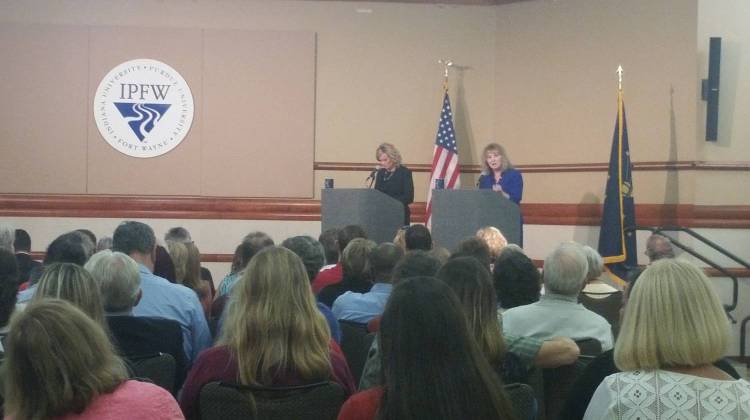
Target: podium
[[379, 215], [458, 214]]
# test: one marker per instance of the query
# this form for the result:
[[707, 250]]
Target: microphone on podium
[[371, 177]]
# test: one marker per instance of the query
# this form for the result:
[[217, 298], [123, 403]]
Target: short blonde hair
[[494, 239], [273, 324], [673, 318], [504, 159], [58, 361], [389, 150], [355, 260]]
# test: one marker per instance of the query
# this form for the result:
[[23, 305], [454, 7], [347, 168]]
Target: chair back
[[318, 401], [605, 304], [355, 343], [558, 383], [589, 346], [218, 401], [523, 400], [159, 368]]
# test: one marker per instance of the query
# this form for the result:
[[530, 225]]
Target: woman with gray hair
[[393, 178], [595, 287]]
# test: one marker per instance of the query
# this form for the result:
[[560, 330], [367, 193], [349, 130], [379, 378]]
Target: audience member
[[163, 264], [494, 239], [250, 245], [8, 290], [178, 234], [558, 311], [355, 261], [60, 364], [104, 243], [89, 241], [432, 366], [310, 252], [399, 240], [604, 365], [327, 239], [68, 247], [135, 337], [415, 264], [471, 283], [72, 283], [334, 274], [474, 247], [274, 335], [674, 328], [417, 237], [442, 254], [595, 287], [22, 245], [7, 235], [658, 247], [362, 307], [160, 297], [517, 280], [193, 278], [179, 254]]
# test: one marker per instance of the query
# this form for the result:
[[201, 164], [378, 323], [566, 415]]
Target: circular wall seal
[[143, 108]]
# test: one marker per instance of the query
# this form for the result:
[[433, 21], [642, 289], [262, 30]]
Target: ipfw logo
[[143, 108]]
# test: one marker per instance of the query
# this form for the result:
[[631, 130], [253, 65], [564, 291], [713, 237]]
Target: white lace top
[[661, 394]]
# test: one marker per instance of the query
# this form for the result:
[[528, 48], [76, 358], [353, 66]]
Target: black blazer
[[398, 184]]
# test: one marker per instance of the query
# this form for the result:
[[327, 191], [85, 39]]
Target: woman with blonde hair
[[60, 364], [274, 334], [673, 330], [495, 241], [393, 178], [75, 284]]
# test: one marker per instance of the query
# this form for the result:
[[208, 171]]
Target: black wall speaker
[[710, 89]]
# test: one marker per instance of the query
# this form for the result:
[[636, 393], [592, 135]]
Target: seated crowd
[[402, 330]]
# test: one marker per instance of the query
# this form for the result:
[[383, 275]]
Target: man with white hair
[[558, 312], [160, 297], [134, 336]]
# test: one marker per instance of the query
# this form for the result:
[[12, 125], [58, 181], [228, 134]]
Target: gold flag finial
[[619, 77], [446, 65]]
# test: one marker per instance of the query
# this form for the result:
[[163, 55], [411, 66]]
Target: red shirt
[[362, 405], [327, 277]]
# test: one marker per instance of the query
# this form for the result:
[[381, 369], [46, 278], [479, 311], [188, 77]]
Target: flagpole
[[446, 65]]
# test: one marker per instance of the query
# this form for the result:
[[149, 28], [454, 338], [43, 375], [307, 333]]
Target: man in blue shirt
[[362, 307], [160, 297]]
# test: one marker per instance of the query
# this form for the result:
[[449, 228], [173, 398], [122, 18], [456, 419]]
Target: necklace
[[388, 175]]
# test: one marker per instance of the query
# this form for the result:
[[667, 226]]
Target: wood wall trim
[[167, 207], [557, 168]]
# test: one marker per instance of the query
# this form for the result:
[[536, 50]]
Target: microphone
[[374, 171], [371, 177]]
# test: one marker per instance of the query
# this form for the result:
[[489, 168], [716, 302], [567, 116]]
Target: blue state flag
[[617, 234]]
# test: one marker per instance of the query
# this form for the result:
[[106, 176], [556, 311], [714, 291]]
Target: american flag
[[445, 156]]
